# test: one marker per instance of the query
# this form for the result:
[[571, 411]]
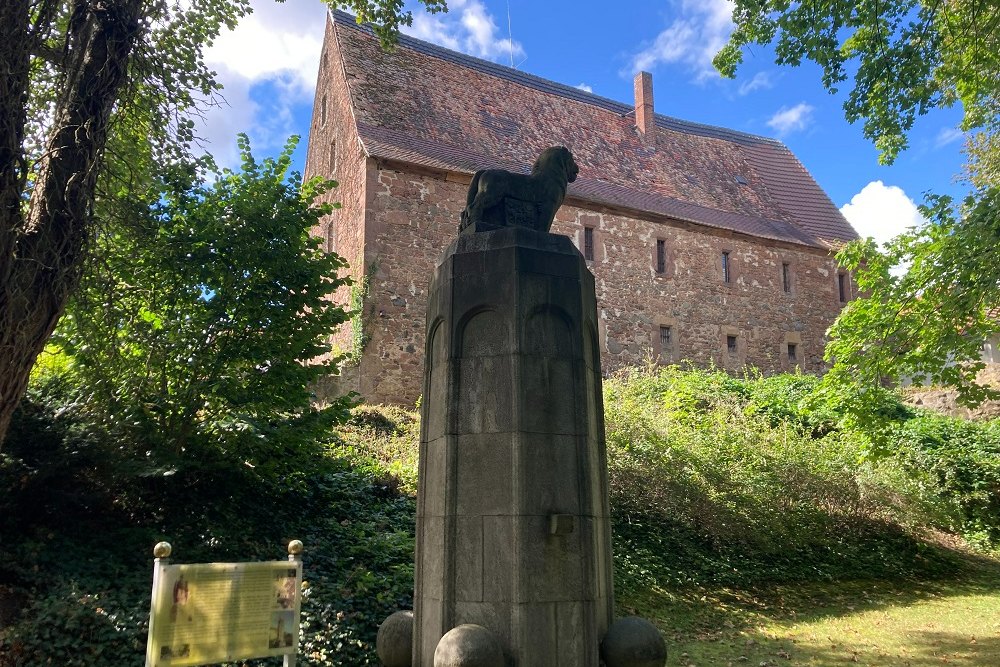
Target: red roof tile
[[429, 106]]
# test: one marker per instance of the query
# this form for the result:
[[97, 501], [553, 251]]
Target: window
[[331, 236], [666, 338], [842, 286], [786, 278], [726, 272], [731, 344], [588, 243], [793, 353], [333, 156], [661, 256], [322, 112]]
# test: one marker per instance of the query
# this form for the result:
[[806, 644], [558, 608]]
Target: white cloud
[[760, 81], [584, 87], [278, 45], [792, 119], [467, 27], [947, 135], [882, 212], [701, 28]]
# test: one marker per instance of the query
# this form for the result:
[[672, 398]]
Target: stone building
[[707, 244]]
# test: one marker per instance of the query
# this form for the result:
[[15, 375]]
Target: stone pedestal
[[513, 531]]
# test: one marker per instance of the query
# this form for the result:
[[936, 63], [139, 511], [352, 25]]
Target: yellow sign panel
[[218, 612]]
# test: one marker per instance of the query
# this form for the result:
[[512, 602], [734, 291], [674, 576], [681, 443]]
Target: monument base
[[512, 521]]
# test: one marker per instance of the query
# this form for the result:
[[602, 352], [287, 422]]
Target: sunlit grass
[[876, 623]]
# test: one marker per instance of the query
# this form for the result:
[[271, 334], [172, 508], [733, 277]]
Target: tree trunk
[[43, 248]]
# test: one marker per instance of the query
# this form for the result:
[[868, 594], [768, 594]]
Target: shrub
[[740, 477], [963, 457], [86, 569]]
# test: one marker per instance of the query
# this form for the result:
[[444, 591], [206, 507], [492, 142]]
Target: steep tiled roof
[[429, 106]]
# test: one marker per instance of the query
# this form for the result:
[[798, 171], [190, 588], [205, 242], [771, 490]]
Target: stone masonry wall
[[412, 217], [335, 151]]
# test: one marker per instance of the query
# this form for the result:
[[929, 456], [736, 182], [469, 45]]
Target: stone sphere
[[633, 642], [394, 642], [468, 646]]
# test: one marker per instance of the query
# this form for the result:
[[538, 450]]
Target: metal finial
[[295, 547], [162, 550]]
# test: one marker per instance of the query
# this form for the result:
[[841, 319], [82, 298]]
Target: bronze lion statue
[[499, 198]]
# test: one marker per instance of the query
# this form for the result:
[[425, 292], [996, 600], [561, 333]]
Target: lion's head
[[556, 160]]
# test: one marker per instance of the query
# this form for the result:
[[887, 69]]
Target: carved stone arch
[[548, 331], [482, 332], [435, 342], [436, 379]]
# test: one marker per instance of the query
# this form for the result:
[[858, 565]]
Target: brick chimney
[[644, 119]]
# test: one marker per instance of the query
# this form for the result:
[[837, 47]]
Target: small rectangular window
[[793, 353], [666, 338], [333, 156], [322, 112], [588, 243], [661, 256], [726, 273], [786, 277], [842, 286], [731, 344]]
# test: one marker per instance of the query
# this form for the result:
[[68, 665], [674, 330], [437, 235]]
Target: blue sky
[[268, 66]]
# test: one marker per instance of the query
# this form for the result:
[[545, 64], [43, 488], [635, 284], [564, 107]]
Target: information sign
[[219, 612]]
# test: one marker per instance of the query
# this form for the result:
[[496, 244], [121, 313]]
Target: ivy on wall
[[360, 291]]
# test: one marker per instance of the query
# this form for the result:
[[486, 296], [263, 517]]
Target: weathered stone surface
[[512, 517], [633, 642], [394, 642], [468, 645]]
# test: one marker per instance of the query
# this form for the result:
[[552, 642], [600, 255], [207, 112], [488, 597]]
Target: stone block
[[537, 635], [484, 477], [499, 570], [434, 479], [550, 394], [484, 396], [512, 456], [432, 558], [547, 332], [534, 261], [555, 563], [469, 561], [548, 467], [570, 619], [428, 630]]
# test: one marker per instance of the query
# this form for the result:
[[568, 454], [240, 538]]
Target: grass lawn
[[900, 623]]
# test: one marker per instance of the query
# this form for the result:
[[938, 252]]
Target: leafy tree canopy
[[94, 95], [933, 297], [926, 323], [906, 56], [206, 317]]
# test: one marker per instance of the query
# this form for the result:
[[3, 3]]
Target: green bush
[[729, 480], [963, 457], [78, 526], [715, 481]]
